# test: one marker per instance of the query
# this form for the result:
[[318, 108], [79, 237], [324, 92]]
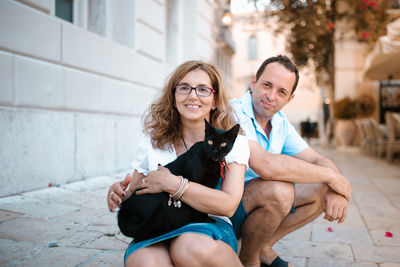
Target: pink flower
[[329, 26], [388, 234], [365, 35], [330, 229], [373, 3]]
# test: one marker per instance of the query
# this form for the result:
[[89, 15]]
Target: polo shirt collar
[[248, 105]]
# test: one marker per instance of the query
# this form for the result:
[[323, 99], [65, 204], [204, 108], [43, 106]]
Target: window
[[120, 22], [252, 46], [172, 32], [64, 9], [97, 17]]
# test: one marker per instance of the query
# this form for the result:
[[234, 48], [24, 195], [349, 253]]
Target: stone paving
[[69, 225]]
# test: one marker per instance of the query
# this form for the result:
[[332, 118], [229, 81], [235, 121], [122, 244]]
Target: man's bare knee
[[309, 193], [275, 195]]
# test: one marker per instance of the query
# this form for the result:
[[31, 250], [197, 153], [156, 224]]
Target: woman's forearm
[[222, 202]]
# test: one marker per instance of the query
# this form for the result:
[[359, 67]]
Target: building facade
[[77, 75]]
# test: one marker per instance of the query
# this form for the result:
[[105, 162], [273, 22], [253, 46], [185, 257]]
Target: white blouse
[[148, 158]]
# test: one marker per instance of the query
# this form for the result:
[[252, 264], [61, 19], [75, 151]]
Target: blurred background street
[[77, 75]]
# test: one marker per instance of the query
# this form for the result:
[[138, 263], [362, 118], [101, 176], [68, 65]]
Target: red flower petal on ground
[[330, 229], [388, 234]]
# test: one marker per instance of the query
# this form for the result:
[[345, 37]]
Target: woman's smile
[[192, 106]]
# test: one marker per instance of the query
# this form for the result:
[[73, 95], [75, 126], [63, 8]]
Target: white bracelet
[[185, 182], [175, 197]]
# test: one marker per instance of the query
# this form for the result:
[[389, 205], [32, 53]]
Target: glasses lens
[[183, 89], [203, 91]]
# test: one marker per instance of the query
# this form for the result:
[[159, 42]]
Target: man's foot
[[268, 257], [278, 262]]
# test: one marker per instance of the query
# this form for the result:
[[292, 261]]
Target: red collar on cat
[[221, 170]]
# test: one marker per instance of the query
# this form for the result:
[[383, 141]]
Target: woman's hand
[[117, 193], [158, 181]]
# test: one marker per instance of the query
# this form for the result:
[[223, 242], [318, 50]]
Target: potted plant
[[365, 106], [345, 111]]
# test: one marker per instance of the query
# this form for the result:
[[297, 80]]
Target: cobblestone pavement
[[69, 225]]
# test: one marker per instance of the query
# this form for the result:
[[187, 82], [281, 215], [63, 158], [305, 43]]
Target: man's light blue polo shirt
[[284, 138]]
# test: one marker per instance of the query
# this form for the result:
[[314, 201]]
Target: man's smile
[[266, 105]]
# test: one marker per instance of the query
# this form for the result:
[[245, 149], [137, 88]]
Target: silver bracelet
[[175, 197]]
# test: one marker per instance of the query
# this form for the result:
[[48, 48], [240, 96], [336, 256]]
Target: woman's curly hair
[[162, 121]]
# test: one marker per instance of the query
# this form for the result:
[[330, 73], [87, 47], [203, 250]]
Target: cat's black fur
[[146, 216]]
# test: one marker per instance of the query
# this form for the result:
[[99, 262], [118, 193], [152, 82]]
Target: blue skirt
[[219, 230]]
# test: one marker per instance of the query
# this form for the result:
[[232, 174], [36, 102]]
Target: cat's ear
[[209, 128], [234, 131]]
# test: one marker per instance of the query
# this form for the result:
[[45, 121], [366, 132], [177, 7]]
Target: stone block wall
[[71, 99]]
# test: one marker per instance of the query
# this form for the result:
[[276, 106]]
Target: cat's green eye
[[210, 142], [222, 145]]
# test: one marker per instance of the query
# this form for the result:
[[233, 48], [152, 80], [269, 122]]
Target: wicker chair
[[393, 127], [367, 136], [381, 138]]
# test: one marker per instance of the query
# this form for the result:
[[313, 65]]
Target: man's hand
[[117, 193], [340, 185], [335, 206]]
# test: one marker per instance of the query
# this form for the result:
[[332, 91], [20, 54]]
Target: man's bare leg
[[267, 203], [307, 203]]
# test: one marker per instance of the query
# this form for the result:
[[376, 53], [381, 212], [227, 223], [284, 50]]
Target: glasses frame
[[195, 90]]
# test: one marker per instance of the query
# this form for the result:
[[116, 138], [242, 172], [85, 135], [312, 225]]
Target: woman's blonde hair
[[162, 121]]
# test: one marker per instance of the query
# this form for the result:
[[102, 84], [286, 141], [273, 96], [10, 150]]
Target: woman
[[173, 123]]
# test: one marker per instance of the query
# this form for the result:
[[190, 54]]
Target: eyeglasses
[[200, 90]]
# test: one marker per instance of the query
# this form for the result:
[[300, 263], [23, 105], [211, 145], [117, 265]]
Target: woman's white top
[[148, 158]]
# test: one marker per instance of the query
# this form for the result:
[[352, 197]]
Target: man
[[272, 206]]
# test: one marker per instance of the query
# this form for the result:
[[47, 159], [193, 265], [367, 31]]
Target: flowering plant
[[370, 19]]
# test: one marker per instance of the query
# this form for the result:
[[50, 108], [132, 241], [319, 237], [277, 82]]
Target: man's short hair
[[286, 62]]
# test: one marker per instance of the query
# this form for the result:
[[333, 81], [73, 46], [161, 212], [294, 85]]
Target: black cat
[[146, 216]]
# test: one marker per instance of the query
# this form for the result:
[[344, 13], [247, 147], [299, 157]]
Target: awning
[[384, 61]]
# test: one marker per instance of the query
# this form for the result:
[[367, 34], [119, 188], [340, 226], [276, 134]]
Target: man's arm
[[289, 169], [333, 204], [313, 157]]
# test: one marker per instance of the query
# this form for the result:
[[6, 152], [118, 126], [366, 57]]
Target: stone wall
[[72, 94]]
